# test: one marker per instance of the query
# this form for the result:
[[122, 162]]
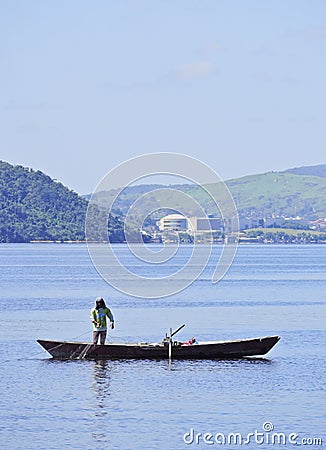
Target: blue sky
[[87, 85]]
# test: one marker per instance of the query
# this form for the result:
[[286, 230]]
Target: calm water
[[47, 292]]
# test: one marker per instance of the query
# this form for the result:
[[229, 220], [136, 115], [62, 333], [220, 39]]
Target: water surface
[[47, 292]]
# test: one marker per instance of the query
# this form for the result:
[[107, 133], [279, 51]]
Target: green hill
[[280, 193], [34, 207], [272, 193]]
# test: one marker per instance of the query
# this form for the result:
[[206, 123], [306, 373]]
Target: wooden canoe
[[203, 350]]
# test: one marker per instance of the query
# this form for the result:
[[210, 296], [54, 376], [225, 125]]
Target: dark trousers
[[99, 334]]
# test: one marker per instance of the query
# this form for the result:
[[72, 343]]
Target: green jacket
[[100, 315]]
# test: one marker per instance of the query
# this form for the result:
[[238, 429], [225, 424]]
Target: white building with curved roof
[[176, 222]]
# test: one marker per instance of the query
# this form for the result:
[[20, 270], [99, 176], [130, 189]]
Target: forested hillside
[[35, 207]]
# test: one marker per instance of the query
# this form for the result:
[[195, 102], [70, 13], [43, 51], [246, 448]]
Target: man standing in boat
[[98, 317]]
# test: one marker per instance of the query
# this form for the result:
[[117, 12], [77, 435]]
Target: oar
[[177, 331]]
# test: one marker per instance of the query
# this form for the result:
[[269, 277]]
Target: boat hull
[[204, 350]]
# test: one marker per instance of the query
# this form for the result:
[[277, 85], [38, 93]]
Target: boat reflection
[[101, 389], [101, 386]]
